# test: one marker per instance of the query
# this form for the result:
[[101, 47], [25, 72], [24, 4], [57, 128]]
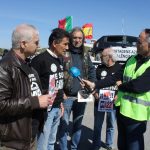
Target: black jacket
[[138, 85], [102, 71], [16, 103]]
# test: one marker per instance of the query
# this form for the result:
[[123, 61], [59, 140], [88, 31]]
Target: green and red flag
[[65, 23], [88, 30]]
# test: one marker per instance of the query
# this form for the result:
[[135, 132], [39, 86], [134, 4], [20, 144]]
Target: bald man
[[108, 67]]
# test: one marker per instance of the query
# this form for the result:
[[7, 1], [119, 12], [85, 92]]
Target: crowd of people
[[37, 97]]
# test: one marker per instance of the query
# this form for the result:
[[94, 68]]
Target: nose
[[78, 39]]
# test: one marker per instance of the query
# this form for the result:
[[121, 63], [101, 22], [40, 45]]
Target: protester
[[49, 65], [133, 95], [80, 59], [108, 67], [20, 93]]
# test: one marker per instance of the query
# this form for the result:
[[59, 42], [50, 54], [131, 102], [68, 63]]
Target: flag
[[88, 30], [65, 23]]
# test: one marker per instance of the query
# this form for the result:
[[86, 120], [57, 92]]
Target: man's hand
[[88, 83], [65, 96], [96, 96], [44, 100], [115, 98], [118, 83]]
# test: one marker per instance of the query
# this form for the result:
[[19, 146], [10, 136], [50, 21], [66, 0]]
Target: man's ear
[[22, 44], [54, 43]]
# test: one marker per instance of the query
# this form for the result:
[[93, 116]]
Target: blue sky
[[108, 16]]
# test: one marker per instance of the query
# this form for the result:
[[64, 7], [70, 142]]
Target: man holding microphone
[[133, 98]]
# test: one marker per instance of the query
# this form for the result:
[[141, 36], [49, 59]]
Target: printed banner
[[106, 98]]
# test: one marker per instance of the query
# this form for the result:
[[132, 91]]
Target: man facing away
[[133, 95], [20, 93], [108, 67], [79, 59], [49, 65]]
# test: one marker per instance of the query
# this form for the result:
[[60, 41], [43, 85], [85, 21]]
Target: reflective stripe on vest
[[136, 100], [133, 105]]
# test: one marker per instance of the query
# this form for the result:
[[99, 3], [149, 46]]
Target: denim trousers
[[47, 137], [130, 133], [78, 110], [98, 122]]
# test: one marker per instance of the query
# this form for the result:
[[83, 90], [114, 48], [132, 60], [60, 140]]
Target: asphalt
[[87, 131], [86, 139]]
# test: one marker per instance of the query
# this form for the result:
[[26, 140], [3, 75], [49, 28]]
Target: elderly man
[[133, 95], [20, 93], [108, 67]]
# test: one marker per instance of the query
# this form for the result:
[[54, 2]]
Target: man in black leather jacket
[[20, 93]]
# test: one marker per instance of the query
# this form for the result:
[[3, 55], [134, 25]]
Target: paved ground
[[86, 139]]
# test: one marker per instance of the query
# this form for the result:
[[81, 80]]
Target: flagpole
[[72, 21], [123, 26]]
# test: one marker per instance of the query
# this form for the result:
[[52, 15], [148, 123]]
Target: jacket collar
[[140, 58], [52, 53], [16, 61]]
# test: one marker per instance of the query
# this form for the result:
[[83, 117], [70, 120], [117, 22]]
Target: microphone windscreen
[[74, 72]]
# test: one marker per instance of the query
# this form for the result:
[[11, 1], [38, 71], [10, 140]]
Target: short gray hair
[[111, 53], [23, 32]]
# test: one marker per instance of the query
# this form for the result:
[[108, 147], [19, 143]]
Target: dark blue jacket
[[86, 67]]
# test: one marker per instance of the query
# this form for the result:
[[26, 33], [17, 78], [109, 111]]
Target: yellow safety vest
[[133, 105]]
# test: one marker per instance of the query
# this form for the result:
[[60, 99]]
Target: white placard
[[90, 98]]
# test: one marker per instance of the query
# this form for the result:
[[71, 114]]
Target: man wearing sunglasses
[[133, 95]]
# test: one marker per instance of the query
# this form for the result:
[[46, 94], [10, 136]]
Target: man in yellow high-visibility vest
[[133, 98]]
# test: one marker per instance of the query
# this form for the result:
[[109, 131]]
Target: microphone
[[75, 73]]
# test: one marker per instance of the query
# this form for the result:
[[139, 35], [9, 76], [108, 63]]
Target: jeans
[[130, 133], [98, 122], [47, 137], [78, 110]]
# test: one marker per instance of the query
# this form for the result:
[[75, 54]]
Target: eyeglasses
[[103, 55], [36, 42]]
